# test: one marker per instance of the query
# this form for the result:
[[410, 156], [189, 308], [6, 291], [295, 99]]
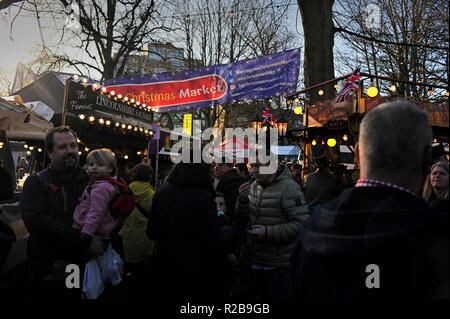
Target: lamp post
[[282, 128]]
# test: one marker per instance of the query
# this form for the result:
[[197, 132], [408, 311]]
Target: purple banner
[[266, 76]]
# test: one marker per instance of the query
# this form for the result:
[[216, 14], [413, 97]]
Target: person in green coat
[[136, 244]]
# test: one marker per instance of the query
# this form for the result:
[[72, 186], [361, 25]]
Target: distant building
[[155, 58]]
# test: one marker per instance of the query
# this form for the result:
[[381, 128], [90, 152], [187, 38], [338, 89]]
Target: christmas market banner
[[253, 79]]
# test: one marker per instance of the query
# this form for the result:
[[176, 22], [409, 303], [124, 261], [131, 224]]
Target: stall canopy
[[289, 150], [20, 123], [48, 88], [233, 148]]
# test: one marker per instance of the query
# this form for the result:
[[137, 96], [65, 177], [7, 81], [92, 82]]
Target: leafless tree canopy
[[410, 43]]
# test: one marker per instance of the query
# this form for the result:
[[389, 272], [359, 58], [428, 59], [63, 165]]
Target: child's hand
[[232, 258], [84, 235]]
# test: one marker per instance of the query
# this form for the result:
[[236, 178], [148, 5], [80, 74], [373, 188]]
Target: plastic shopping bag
[[111, 265], [93, 280]]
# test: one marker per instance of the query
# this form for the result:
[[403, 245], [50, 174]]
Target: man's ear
[[427, 159], [357, 154]]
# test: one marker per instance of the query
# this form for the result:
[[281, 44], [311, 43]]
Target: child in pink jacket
[[92, 214]]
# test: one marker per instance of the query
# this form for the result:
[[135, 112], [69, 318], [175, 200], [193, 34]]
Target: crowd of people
[[230, 231]]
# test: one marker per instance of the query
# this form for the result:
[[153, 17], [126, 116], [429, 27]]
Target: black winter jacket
[[48, 216], [372, 225], [189, 244]]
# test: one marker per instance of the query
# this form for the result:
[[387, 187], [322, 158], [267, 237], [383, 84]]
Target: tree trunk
[[318, 64]]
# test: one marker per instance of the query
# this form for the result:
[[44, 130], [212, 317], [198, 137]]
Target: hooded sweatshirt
[[372, 242], [136, 244]]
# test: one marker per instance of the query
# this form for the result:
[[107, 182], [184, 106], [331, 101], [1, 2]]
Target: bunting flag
[[352, 84], [268, 117]]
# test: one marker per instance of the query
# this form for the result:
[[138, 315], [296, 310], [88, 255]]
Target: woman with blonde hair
[[435, 191]]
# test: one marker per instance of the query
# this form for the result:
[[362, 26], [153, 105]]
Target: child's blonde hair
[[104, 156]]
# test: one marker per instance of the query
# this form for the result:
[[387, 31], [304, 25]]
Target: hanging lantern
[[320, 92], [430, 91], [26, 146], [372, 91], [288, 102], [336, 86], [446, 93], [393, 88], [298, 110], [297, 100], [314, 142], [331, 142], [86, 149], [345, 137]]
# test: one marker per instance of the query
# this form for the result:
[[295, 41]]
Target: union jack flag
[[267, 116], [352, 84]]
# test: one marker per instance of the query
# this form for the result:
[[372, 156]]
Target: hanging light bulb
[[26, 146], [446, 93], [288, 102], [125, 98], [86, 149], [81, 116], [146, 131], [372, 91], [130, 127], [135, 128], [314, 142], [297, 100], [331, 142], [298, 110], [125, 157], [84, 80], [101, 121], [320, 92], [345, 137], [430, 91], [28, 153], [91, 118], [393, 88], [76, 77], [79, 152], [39, 149], [336, 86], [31, 148], [112, 92], [138, 152], [108, 122], [103, 89], [117, 124]]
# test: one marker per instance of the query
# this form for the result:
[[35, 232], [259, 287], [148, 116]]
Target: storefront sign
[[336, 124], [187, 124], [84, 100]]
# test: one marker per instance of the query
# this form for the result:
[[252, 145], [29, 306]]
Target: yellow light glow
[[124, 126], [130, 127], [112, 92], [119, 96], [31, 148], [139, 153], [108, 122], [331, 142], [26, 146], [103, 89], [39, 149], [28, 153], [125, 157], [345, 137], [82, 116], [135, 129], [91, 118], [297, 100], [393, 88], [298, 110], [86, 149], [336, 86], [314, 142], [372, 91], [320, 92], [101, 121], [79, 152]]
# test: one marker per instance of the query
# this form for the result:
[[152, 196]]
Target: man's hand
[[244, 189], [258, 230], [97, 247]]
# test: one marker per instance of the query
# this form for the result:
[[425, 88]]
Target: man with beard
[[47, 204]]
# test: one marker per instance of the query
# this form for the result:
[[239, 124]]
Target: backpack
[[123, 202]]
